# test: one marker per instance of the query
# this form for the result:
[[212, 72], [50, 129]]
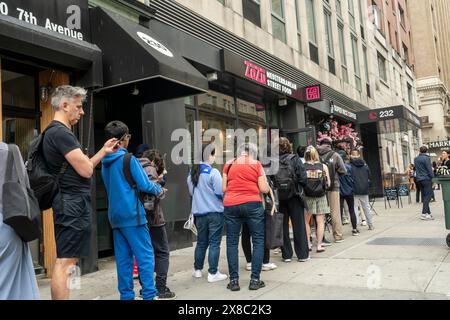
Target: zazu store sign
[[67, 17], [249, 70]]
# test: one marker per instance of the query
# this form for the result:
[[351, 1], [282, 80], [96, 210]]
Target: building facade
[[393, 79], [162, 65], [431, 43]]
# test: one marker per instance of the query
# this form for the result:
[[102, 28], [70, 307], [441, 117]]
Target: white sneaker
[[269, 266], [304, 260], [430, 217], [276, 251], [248, 267], [216, 277], [287, 260], [364, 223], [423, 217], [197, 274]]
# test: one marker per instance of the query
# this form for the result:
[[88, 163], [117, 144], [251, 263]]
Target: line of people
[[314, 184]]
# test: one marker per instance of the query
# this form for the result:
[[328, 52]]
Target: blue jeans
[[209, 233], [129, 242], [426, 187], [252, 213]]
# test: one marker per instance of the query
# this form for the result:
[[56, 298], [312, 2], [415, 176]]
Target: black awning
[[135, 58], [389, 113], [40, 44]]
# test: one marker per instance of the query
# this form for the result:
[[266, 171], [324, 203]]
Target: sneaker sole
[[159, 298]]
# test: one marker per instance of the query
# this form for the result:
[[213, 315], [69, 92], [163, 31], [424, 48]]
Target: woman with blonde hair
[[318, 180]]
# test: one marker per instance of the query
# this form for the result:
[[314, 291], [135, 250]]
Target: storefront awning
[[27, 41], [389, 113], [136, 60]]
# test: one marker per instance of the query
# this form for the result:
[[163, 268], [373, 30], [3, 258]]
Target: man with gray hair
[[72, 205]]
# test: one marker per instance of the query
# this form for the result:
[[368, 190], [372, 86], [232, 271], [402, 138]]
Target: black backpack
[[316, 180], [285, 179], [44, 184], [328, 160]]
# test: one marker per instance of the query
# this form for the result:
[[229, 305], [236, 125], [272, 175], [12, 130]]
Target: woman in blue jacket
[[205, 186]]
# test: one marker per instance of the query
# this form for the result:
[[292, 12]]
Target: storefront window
[[251, 110], [217, 102], [19, 121], [213, 121]]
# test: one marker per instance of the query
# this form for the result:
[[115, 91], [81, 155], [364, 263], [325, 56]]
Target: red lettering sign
[[255, 72]]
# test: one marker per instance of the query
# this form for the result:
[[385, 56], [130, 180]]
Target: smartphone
[[119, 141]]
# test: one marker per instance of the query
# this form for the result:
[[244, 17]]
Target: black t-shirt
[[59, 141]]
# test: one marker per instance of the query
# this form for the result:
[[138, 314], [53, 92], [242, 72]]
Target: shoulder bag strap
[[127, 173], [229, 168], [15, 154]]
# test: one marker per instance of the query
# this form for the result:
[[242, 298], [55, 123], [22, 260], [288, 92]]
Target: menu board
[[391, 193]]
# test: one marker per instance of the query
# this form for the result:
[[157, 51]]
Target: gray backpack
[[20, 207]]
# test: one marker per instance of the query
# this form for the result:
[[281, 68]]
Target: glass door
[[20, 119], [301, 137]]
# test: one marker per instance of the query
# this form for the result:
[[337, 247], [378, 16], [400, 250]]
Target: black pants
[[427, 192], [351, 209], [247, 247], [294, 210], [418, 191]]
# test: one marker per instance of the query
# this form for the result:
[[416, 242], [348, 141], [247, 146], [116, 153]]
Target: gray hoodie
[[339, 166]]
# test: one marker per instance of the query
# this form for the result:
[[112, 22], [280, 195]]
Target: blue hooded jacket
[[121, 197], [347, 183]]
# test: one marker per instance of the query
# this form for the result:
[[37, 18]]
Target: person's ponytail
[[195, 174]]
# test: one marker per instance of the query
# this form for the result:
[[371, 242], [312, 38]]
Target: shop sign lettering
[[68, 23], [268, 78], [345, 112], [439, 144]]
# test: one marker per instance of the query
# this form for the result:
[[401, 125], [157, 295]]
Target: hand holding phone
[[116, 145]]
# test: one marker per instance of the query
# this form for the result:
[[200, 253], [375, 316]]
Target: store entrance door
[[301, 137]]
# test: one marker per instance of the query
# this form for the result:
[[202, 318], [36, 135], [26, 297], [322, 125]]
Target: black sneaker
[[166, 294], [256, 284], [234, 285]]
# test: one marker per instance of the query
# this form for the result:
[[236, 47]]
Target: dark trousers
[[161, 250], [351, 208], [251, 213], [247, 247], [418, 191], [427, 192], [294, 210]]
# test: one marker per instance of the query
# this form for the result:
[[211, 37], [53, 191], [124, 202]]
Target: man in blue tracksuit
[[424, 176], [130, 230]]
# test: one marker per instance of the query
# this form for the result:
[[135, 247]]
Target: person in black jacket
[[361, 176], [293, 208]]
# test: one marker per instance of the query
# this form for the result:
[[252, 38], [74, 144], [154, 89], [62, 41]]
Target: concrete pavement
[[403, 258]]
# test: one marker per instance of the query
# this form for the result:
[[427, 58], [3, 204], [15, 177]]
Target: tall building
[[431, 42], [393, 79]]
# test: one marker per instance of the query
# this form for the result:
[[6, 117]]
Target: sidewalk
[[403, 258]]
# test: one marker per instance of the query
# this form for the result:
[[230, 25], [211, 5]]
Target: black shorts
[[72, 220]]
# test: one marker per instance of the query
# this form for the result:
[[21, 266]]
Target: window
[[362, 17], [342, 52], [311, 21], [376, 15], [382, 67], [329, 42], [313, 49], [252, 12], [402, 15], [339, 8], [405, 53], [366, 70], [410, 94], [297, 16], [278, 23], [356, 63], [351, 14]]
